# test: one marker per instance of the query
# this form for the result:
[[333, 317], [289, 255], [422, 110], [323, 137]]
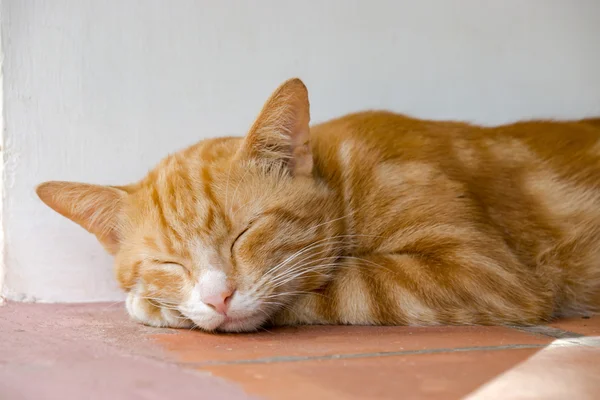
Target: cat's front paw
[[149, 313]]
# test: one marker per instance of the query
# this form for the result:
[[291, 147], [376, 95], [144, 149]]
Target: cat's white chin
[[222, 323], [243, 324]]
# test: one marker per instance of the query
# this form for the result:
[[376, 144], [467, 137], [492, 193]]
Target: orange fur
[[372, 218]]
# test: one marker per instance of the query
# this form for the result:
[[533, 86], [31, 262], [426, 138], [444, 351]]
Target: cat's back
[[571, 149], [534, 182], [400, 135]]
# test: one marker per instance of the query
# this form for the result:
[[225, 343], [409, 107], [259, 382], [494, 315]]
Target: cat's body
[[455, 223], [381, 219]]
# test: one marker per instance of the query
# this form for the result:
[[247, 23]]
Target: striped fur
[[372, 218]]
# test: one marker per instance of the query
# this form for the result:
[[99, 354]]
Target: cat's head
[[225, 232]]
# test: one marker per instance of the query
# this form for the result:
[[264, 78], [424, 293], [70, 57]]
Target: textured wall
[[99, 91]]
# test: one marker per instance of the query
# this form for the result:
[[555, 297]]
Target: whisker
[[287, 307], [275, 270], [292, 293], [370, 262], [262, 328], [304, 263], [307, 267], [227, 186], [111, 305], [301, 274], [238, 186], [304, 258], [331, 221], [161, 303], [319, 243], [332, 241], [329, 241]]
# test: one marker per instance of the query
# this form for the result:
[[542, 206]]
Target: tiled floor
[[93, 351]]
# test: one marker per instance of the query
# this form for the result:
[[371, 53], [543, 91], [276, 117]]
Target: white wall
[[2, 264], [99, 91]]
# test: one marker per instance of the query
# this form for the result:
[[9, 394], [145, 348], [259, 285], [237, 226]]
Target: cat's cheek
[[140, 310]]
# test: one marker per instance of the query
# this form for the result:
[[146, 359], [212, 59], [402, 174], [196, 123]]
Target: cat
[[373, 218]]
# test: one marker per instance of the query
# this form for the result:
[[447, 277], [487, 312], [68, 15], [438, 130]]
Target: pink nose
[[218, 301]]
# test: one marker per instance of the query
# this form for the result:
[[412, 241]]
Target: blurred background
[[99, 91]]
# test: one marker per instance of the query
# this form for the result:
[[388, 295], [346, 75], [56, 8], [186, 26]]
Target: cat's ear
[[96, 208], [281, 131]]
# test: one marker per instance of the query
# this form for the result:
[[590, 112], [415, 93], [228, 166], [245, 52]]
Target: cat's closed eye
[[169, 264], [239, 236]]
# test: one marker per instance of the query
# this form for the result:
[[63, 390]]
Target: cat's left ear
[[281, 131]]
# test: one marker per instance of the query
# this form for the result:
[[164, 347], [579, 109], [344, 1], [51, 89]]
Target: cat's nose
[[219, 301]]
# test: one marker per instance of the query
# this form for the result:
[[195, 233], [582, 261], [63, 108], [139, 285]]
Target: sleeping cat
[[374, 218]]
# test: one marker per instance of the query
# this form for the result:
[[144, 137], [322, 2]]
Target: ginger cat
[[372, 218]]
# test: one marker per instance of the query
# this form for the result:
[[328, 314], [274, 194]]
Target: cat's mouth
[[240, 324]]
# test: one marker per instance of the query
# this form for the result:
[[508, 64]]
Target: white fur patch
[[561, 198], [466, 153], [353, 300], [415, 311], [510, 150], [138, 307]]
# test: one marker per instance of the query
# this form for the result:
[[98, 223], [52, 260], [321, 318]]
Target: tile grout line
[[287, 359], [547, 331]]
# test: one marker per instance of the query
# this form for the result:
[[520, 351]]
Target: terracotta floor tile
[[198, 347], [92, 352], [425, 376], [585, 326], [95, 351], [569, 368]]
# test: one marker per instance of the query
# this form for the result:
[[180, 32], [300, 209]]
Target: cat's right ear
[[96, 208]]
